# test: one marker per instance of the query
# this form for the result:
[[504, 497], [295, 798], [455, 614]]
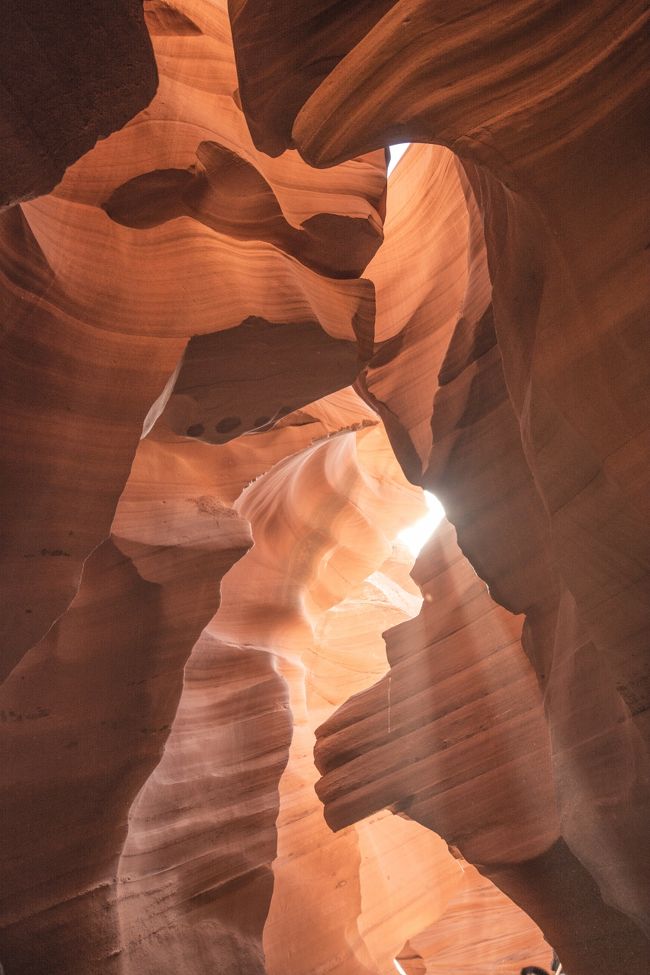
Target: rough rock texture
[[230, 359], [71, 74]]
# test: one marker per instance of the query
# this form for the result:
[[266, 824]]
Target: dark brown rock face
[[233, 352], [71, 73]]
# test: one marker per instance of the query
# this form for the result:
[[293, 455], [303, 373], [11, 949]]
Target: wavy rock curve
[[232, 354]]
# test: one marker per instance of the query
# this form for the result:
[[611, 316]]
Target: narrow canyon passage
[[325, 530]]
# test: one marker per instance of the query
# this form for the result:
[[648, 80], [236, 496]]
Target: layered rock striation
[[233, 353]]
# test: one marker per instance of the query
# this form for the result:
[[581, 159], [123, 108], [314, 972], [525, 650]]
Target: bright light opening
[[396, 153], [416, 536], [398, 967]]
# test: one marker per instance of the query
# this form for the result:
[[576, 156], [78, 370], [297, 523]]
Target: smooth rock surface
[[233, 353]]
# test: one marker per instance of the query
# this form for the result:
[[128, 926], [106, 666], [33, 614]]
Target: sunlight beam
[[417, 535]]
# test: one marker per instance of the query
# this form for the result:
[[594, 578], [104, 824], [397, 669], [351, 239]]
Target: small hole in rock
[[227, 424], [195, 430]]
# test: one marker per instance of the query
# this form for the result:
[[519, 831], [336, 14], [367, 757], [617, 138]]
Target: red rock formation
[[480, 931], [87, 711], [563, 249], [104, 307], [186, 312], [71, 74]]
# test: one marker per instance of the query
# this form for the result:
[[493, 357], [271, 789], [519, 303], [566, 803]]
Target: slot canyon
[[326, 487]]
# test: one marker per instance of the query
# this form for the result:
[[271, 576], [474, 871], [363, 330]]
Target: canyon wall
[[240, 731]]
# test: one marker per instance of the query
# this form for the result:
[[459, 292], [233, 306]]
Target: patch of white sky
[[417, 535], [396, 153], [398, 967]]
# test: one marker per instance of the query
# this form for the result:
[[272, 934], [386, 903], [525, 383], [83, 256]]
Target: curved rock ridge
[[94, 733], [224, 192], [562, 533], [194, 880], [481, 930], [97, 307], [480, 695], [172, 850], [87, 711], [233, 353], [330, 582], [423, 294], [454, 737]]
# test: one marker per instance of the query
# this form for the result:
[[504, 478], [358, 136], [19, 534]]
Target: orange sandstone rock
[[230, 358]]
